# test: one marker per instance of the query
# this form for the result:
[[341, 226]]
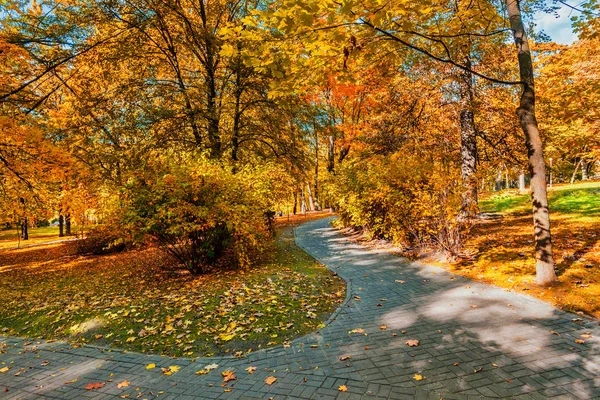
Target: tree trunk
[[61, 225], [310, 197], [468, 143], [302, 202], [68, 224], [25, 229], [343, 153], [506, 178], [575, 172], [498, 185], [211, 57], [331, 155], [545, 274], [237, 115], [295, 209], [316, 180], [584, 170], [522, 181]]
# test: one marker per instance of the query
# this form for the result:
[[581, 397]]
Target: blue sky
[[559, 29]]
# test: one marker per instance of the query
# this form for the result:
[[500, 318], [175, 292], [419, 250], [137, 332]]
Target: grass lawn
[[9, 238], [503, 248], [127, 301]]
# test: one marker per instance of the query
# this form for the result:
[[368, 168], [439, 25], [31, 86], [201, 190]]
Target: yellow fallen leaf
[[4, 370], [358, 330], [343, 388], [150, 366], [383, 327], [251, 370], [226, 337], [73, 381], [171, 370], [412, 343], [202, 372], [123, 384], [418, 377], [130, 339], [270, 380]]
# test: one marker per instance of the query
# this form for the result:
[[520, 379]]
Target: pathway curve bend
[[475, 341]]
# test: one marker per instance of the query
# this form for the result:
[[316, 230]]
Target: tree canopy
[[191, 122]]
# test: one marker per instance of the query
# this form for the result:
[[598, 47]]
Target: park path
[[475, 341]]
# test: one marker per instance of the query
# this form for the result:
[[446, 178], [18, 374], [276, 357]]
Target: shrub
[[103, 240], [405, 200], [202, 213]]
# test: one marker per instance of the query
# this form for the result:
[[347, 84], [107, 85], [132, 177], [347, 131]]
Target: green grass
[[503, 248], [127, 301], [11, 234], [9, 238], [580, 200]]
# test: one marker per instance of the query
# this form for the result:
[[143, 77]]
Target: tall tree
[[545, 274]]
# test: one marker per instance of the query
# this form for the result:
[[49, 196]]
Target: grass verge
[[128, 301], [503, 248]]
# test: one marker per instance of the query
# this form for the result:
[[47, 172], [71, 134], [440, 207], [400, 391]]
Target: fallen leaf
[[226, 337], [494, 365], [150, 366], [456, 364], [95, 385], [358, 330], [44, 363], [586, 336], [228, 376], [251, 370], [383, 327], [399, 281], [343, 388], [211, 366], [412, 343], [344, 358], [418, 377], [73, 381], [123, 384], [202, 372], [579, 341], [125, 396], [477, 370], [171, 370], [270, 380], [4, 370]]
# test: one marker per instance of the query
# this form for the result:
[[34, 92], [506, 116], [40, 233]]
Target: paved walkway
[[476, 341]]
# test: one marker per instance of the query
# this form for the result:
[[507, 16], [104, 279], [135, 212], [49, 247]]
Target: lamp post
[[550, 171]]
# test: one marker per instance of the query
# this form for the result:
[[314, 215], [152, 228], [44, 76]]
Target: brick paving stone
[[531, 361]]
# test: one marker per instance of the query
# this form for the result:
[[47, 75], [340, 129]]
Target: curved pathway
[[475, 341]]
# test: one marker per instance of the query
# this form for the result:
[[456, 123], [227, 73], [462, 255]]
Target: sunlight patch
[[86, 326]]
